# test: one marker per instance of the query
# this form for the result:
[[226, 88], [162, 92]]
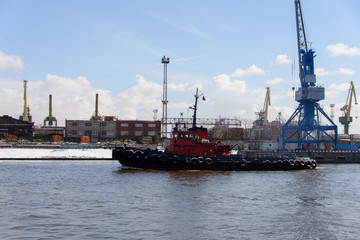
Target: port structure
[[164, 61], [204, 122], [96, 116], [262, 119], [308, 129], [50, 120], [26, 117], [346, 119]]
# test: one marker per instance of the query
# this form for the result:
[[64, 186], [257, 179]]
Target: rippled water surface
[[97, 199]]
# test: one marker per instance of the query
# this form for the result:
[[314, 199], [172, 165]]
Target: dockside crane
[[309, 129], [264, 112], [50, 120], [346, 119]]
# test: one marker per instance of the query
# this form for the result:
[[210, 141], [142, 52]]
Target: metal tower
[[308, 129], [26, 117], [155, 114], [50, 119], [264, 112], [96, 116], [165, 61], [346, 119]]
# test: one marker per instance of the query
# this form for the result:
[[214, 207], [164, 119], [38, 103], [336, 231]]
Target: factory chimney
[[50, 119], [96, 116]]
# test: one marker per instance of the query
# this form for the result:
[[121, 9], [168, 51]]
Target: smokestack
[[50, 119], [26, 110], [50, 109], [96, 116], [97, 106]]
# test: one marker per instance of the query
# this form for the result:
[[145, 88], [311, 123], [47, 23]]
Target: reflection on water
[[100, 200]]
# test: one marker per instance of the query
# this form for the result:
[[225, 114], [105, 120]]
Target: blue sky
[[231, 50]]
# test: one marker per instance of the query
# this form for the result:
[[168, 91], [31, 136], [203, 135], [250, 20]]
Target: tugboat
[[190, 149]]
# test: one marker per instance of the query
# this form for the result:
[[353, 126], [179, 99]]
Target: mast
[[195, 108]]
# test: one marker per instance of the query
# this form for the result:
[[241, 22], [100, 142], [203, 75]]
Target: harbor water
[[99, 200]]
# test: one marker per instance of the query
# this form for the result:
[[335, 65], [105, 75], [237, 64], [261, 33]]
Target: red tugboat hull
[[158, 160]]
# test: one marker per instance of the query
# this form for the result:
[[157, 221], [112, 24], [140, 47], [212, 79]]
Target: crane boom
[[266, 106], [264, 112], [346, 119], [301, 36]]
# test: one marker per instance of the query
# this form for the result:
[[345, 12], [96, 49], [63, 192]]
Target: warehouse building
[[13, 126], [135, 129], [94, 129]]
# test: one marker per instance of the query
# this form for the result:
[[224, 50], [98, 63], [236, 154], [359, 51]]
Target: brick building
[[104, 129], [111, 128], [13, 126], [135, 129]]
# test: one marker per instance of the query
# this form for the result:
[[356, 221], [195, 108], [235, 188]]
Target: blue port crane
[[304, 127]]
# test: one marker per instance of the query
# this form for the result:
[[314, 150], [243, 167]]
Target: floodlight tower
[[165, 61], [155, 114], [308, 130]]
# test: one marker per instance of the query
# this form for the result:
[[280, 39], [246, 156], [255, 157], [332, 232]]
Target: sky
[[230, 50]]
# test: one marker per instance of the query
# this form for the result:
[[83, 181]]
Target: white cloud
[[142, 97], [336, 90], [341, 71], [342, 49], [251, 71], [274, 81], [10, 62], [340, 87], [283, 59], [177, 87], [344, 71], [223, 83], [321, 72], [181, 105], [72, 98]]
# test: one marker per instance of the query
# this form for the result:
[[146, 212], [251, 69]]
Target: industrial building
[[135, 129], [95, 129], [110, 128], [12, 126]]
